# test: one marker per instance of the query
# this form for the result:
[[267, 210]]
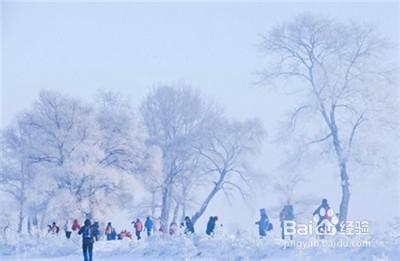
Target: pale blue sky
[[78, 48]]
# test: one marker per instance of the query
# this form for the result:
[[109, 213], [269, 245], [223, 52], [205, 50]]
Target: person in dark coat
[[263, 224], [211, 225], [323, 215], [189, 228], [321, 212], [108, 231], [148, 224], [96, 230], [88, 236], [53, 228], [286, 214]]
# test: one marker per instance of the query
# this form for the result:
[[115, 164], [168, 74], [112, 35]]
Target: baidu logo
[[326, 222]]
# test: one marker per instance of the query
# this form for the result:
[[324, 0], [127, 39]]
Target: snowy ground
[[198, 248]]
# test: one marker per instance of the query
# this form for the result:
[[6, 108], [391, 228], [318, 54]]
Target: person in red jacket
[[124, 234], [138, 228], [75, 225], [173, 229]]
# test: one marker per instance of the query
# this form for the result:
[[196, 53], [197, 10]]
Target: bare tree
[[338, 68], [287, 184], [224, 157]]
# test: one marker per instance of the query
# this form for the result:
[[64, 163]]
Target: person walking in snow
[[96, 230], [67, 229], [324, 216], [286, 214], [87, 232], [189, 227], [113, 235], [148, 224], [138, 228], [75, 225], [321, 213], [108, 231], [263, 224], [173, 229], [124, 234], [211, 225], [53, 229]]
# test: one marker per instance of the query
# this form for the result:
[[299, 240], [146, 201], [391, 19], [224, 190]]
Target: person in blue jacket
[[113, 235], [286, 214], [211, 225], [148, 224], [189, 227], [263, 224]]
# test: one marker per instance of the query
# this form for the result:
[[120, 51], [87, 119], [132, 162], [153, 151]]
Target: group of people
[[323, 212], [264, 224], [75, 227], [110, 232], [90, 232], [55, 229]]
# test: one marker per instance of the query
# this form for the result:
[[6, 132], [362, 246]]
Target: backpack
[[290, 214], [87, 233], [270, 226]]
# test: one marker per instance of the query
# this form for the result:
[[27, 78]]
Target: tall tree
[[338, 67], [174, 119]]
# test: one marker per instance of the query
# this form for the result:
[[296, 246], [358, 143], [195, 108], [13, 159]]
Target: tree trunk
[[344, 204], [29, 226], [4, 232], [176, 212], [183, 212], [213, 192], [21, 199], [35, 222], [20, 218], [165, 204], [344, 178]]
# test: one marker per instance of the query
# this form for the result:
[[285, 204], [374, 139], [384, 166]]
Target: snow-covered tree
[[77, 158], [16, 175], [174, 118], [197, 143], [338, 74], [119, 135]]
